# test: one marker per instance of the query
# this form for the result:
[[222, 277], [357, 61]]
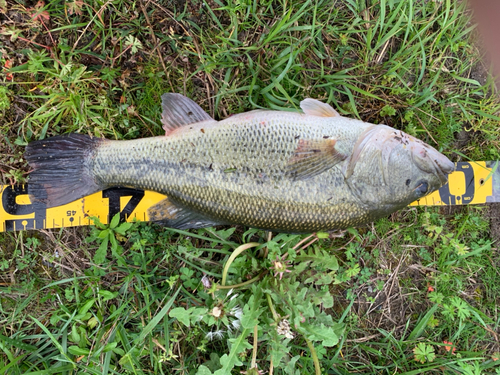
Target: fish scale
[[240, 196], [282, 171]]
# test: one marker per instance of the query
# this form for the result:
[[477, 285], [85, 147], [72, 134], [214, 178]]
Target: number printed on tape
[[17, 212]]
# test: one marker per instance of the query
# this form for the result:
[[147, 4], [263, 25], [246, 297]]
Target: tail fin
[[61, 168]]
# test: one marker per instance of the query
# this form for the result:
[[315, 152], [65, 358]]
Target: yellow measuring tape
[[471, 183]]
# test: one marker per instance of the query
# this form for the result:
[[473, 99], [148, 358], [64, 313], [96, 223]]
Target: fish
[[282, 171]]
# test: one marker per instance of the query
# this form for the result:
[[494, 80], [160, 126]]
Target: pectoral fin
[[314, 107], [172, 215], [180, 111], [313, 157]]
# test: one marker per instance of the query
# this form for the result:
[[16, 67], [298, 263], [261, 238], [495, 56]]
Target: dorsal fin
[[313, 157], [314, 107], [179, 111]]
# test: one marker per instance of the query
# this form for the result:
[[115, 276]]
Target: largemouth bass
[[273, 170]]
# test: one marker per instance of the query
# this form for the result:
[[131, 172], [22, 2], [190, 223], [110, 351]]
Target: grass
[[381, 299]]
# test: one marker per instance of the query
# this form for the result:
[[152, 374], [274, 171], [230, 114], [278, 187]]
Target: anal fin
[[313, 157], [171, 215]]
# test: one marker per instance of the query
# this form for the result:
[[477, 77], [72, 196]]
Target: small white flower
[[236, 324], [215, 335], [230, 293], [237, 312], [219, 334], [283, 328]]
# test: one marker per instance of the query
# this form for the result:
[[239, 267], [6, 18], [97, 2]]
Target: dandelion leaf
[[319, 258], [204, 370], [252, 309], [238, 345], [326, 335], [290, 366], [279, 347]]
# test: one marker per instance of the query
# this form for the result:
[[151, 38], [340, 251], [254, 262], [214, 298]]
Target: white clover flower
[[283, 328]]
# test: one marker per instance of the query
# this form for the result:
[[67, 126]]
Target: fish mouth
[[430, 160]]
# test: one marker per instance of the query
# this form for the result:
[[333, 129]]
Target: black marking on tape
[[114, 194], [450, 199], [11, 206]]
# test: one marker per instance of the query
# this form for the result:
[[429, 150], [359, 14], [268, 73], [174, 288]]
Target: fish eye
[[421, 188]]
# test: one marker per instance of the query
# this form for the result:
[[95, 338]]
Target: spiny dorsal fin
[[313, 157], [314, 107], [179, 111]]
